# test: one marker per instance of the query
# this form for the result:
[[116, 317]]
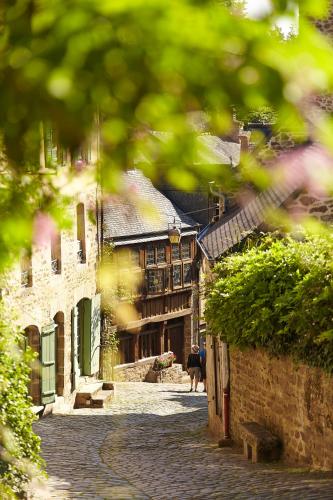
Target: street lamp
[[174, 232]]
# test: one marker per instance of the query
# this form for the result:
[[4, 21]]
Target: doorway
[[174, 340]]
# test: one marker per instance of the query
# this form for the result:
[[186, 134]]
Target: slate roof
[[123, 220], [217, 239], [211, 150], [216, 150]]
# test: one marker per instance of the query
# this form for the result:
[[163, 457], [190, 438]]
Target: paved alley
[[152, 443]]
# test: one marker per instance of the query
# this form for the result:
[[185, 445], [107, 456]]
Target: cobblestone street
[[152, 443]]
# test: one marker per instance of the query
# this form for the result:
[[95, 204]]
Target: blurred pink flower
[[309, 168], [44, 229]]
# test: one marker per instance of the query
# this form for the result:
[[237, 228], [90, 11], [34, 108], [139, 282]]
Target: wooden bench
[[260, 445]]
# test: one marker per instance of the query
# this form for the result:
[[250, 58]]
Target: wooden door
[[176, 342]]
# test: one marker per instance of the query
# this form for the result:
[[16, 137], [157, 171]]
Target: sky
[[258, 8]]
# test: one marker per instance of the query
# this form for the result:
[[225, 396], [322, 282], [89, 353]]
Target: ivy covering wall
[[277, 295], [19, 446]]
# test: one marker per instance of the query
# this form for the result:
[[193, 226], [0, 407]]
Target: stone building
[[54, 298], [251, 386], [228, 403], [166, 299]]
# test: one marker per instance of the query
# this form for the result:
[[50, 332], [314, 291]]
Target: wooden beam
[[156, 319]]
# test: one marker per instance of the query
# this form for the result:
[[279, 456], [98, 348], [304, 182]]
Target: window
[[186, 249], [83, 154], [187, 270], [148, 344], [135, 257], [50, 146], [81, 234], [161, 257], [56, 253], [26, 269], [125, 349], [150, 255], [126, 258], [177, 275], [175, 252], [155, 280], [121, 257]]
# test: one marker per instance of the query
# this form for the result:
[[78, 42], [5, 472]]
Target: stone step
[[89, 392], [101, 399]]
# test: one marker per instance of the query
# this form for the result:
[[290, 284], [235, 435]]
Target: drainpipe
[[226, 441], [226, 400]]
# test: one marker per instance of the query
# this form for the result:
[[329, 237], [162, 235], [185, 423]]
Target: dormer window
[[81, 234]]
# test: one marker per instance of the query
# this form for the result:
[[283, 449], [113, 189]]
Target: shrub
[[277, 295], [20, 446]]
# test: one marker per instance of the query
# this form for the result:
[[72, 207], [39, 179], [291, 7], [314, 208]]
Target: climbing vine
[[277, 295], [19, 446]]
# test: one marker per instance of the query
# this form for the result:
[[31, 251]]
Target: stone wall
[[172, 375], [320, 207], [52, 296], [295, 402], [133, 372]]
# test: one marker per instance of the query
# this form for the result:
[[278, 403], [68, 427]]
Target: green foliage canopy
[[140, 65], [277, 295]]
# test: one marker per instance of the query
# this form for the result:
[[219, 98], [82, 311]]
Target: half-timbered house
[[166, 299]]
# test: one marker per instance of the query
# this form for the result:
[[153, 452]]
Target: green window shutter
[[75, 374], [48, 372], [91, 335]]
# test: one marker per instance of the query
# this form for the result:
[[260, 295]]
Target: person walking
[[203, 353], [194, 367]]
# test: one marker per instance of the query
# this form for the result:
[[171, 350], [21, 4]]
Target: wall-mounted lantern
[[174, 232]]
